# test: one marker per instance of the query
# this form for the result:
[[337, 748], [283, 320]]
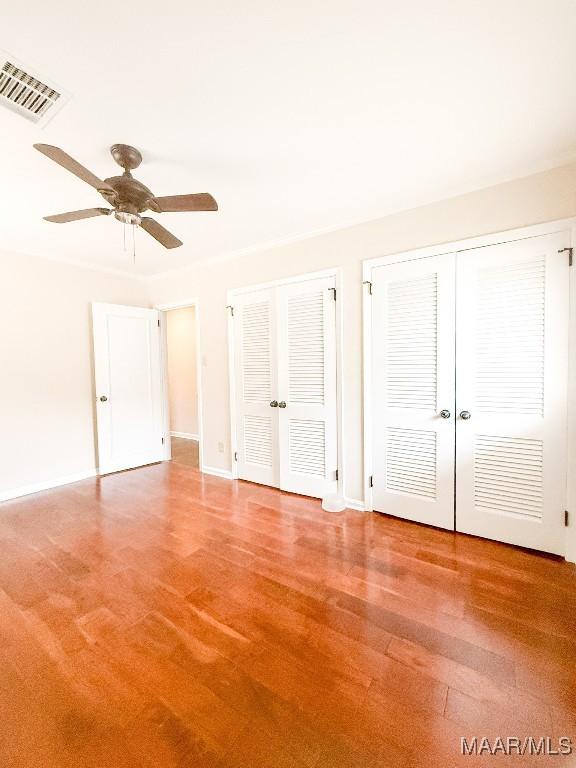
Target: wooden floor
[[161, 618], [185, 451]]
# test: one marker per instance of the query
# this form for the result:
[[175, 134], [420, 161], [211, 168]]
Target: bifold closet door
[[512, 358], [413, 389], [285, 386], [307, 387], [255, 364]]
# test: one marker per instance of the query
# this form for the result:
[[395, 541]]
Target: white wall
[[181, 364], [534, 199], [46, 381]]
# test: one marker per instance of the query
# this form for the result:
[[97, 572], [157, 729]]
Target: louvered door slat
[[306, 348], [410, 379], [255, 352], [510, 309]]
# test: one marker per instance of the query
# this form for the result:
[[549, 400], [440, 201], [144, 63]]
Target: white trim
[[366, 384], [340, 437], [163, 308], [177, 305], [571, 452], [26, 490], [216, 472], [336, 273], [167, 454], [185, 435], [333, 272], [495, 238], [231, 389], [355, 504]]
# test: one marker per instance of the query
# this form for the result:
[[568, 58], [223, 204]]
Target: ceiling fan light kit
[[128, 218], [128, 197]]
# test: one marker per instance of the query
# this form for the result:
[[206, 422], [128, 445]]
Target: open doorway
[[183, 397]]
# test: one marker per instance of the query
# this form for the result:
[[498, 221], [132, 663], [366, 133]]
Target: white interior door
[[128, 386], [307, 387], [512, 358], [255, 364], [412, 385]]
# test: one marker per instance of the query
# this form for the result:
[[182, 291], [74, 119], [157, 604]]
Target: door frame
[[336, 273], [496, 238], [163, 309]]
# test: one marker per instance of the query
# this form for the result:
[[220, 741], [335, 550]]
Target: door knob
[[445, 414], [103, 399], [465, 415], [282, 404], [274, 404]]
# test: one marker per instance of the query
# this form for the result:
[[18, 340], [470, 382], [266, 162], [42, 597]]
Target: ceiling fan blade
[[167, 239], [202, 201], [87, 213], [67, 162]]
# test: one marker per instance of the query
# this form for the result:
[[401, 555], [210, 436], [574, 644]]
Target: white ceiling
[[297, 116]]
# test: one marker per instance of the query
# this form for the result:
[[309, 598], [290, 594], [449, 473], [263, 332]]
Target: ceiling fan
[[128, 196]]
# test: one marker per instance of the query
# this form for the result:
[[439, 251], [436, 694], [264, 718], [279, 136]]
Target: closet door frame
[[231, 294], [562, 225]]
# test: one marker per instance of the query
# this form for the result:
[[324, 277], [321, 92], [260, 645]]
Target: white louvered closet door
[[307, 384], [412, 382], [255, 365], [512, 357]]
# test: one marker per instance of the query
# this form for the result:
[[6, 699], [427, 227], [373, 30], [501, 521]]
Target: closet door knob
[[282, 404], [445, 414], [103, 399], [465, 415], [274, 404]]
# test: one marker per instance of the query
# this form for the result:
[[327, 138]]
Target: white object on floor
[[333, 503]]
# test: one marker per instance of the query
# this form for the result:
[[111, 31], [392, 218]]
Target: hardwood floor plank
[[162, 618], [472, 656]]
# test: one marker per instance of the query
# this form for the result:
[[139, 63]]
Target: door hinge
[[333, 289], [231, 308], [566, 518], [235, 455], [369, 284], [158, 322], [371, 481], [336, 478], [162, 441], [570, 252]]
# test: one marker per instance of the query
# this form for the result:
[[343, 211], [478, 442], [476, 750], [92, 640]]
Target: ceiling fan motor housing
[[130, 195]]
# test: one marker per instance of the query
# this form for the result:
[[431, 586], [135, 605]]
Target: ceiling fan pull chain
[[134, 244]]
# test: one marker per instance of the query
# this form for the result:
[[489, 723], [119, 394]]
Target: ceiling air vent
[[26, 94]]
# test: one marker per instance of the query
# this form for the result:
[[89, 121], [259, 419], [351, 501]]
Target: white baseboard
[[26, 490], [185, 435], [225, 473], [355, 504], [570, 548]]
